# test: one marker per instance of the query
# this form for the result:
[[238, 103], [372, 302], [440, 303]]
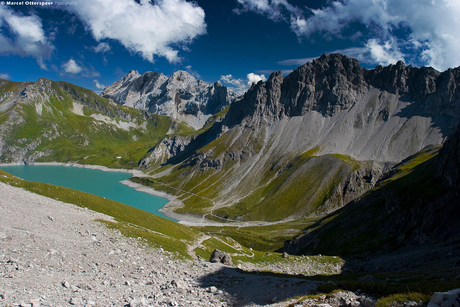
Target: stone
[[138, 302], [66, 284], [219, 256], [445, 299], [74, 301]]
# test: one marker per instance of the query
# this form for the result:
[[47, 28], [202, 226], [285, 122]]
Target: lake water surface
[[97, 182]]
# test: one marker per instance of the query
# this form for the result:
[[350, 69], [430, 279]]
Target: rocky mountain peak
[[179, 96], [133, 73], [335, 82]]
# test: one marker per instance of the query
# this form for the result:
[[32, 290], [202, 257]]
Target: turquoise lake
[[97, 182]]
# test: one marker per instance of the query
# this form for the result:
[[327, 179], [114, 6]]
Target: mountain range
[[310, 142], [345, 146]]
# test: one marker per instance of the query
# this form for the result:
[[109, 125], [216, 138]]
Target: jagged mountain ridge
[[329, 116], [57, 121], [356, 110], [179, 96]]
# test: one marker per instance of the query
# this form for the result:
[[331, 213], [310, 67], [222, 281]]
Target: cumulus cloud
[[432, 27], [98, 85], [422, 32], [234, 83], [253, 78], [24, 36], [71, 67], [239, 85], [144, 27]]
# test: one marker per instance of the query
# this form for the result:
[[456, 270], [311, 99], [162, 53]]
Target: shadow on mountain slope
[[408, 222]]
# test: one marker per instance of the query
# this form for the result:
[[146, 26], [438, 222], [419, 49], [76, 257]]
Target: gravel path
[[55, 254]]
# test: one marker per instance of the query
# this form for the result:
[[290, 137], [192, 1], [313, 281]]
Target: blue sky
[[93, 43]]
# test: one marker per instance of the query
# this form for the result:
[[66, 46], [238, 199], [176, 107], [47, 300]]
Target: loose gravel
[[56, 254]]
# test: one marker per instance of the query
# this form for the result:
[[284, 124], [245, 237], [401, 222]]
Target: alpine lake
[[93, 181]]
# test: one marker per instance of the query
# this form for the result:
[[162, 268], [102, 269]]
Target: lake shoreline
[[173, 202], [134, 172]]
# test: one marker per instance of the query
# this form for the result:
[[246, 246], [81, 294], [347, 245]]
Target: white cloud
[[273, 9], [5, 76], [433, 27], [240, 85], [101, 48], [231, 80], [98, 85], [253, 78], [386, 53], [147, 29], [26, 36], [422, 32], [71, 67]]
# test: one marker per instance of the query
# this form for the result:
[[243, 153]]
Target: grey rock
[[445, 299], [75, 301], [138, 302], [219, 256]]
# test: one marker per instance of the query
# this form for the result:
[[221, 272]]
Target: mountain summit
[[180, 96]]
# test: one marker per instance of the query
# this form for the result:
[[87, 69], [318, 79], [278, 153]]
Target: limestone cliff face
[[179, 96], [335, 82]]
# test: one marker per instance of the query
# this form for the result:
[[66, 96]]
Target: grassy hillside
[[237, 177], [58, 121], [407, 209]]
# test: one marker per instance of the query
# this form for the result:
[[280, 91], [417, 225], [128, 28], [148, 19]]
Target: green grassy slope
[[238, 177], [45, 126], [405, 209]]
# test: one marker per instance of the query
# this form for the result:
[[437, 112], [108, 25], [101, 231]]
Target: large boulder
[[445, 299], [219, 256]]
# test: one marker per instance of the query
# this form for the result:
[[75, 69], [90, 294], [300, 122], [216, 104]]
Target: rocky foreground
[[56, 254]]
